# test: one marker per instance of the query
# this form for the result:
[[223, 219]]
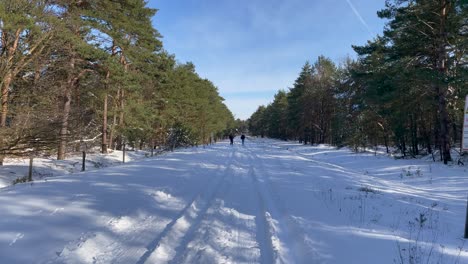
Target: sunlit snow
[[266, 202]]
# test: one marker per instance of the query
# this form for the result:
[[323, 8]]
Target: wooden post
[[466, 222], [2, 157], [123, 158], [83, 166], [30, 168]]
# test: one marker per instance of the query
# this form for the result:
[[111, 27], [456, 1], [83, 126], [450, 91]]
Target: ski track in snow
[[177, 232], [265, 230], [195, 237], [95, 246], [290, 240], [247, 233]]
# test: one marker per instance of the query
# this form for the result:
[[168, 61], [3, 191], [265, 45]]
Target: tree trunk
[[63, 136], [5, 92], [444, 131], [8, 78], [441, 88], [105, 141], [403, 145], [386, 142], [120, 142], [121, 119], [122, 106], [64, 124], [111, 134], [104, 126], [414, 135], [427, 139], [104, 117]]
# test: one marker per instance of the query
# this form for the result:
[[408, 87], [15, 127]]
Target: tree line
[[95, 72], [406, 89]]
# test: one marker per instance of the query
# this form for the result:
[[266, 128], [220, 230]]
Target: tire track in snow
[[289, 240], [178, 232]]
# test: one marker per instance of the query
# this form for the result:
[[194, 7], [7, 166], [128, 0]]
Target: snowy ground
[[267, 202], [48, 167]]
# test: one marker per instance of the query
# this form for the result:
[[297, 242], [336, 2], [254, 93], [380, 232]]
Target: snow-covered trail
[[265, 202], [106, 216], [220, 225]]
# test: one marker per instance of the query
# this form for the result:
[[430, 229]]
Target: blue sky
[[252, 48]]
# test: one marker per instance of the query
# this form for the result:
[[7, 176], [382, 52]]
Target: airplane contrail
[[358, 15]]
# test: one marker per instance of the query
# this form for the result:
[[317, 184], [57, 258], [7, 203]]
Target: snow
[[266, 202], [15, 168]]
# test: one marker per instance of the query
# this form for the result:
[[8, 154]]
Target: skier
[[231, 138], [243, 138]]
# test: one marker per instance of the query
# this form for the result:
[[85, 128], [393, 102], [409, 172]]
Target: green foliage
[[306, 111], [406, 89], [181, 136], [258, 123], [78, 63]]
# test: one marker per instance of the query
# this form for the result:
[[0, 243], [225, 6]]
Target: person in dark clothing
[[243, 138], [231, 138]]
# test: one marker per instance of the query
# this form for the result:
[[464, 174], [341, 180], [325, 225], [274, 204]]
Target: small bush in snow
[[422, 245], [421, 219], [20, 180], [367, 190], [97, 164], [410, 173]]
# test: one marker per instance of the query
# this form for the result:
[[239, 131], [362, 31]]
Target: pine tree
[[277, 116], [295, 96], [421, 34], [257, 122]]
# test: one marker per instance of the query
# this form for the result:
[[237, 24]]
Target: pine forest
[[406, 89], [96, 72]]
